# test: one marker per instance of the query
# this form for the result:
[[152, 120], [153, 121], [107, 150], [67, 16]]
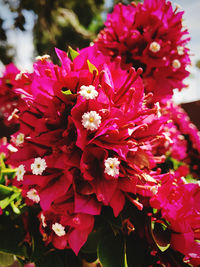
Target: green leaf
[[161, 235], [5, 191], [91, 67], [9, 172], [6, 259], [111, 252], [8, 200], [72, 54], [2, 158], [67, 92]]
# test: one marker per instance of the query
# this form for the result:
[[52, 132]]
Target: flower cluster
[[179, 204], [149, 35], [84, 142]]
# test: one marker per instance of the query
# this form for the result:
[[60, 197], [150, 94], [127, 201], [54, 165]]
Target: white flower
[[33, 195], [38, 166], [19, 139], [20, 172], [176, 63], [154, 47], [88, 92], [42, 217], [91, 120], [112, 167], [180, 50], [42, 58], [59, 229]]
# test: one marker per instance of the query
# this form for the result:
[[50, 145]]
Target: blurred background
[[29, 28]]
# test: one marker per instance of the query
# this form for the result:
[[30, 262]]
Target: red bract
[[67, 229], [85, 140], [179, 205], [149, 35]]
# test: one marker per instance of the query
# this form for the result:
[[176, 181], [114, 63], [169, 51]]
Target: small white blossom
[[88, 92], [91, 120], [19, 139], [33, 195], [38, 166], [176, 63], [59, 229], [154, 47], [180, 50], [112, 167], [42, 58], [20, 172]]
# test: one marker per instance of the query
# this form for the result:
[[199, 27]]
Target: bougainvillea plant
[[100, 168]]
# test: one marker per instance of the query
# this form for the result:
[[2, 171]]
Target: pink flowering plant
[[99, 167]]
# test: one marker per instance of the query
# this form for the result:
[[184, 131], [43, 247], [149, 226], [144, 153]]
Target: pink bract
[[179, 205], [149, 35], [64, 158]]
